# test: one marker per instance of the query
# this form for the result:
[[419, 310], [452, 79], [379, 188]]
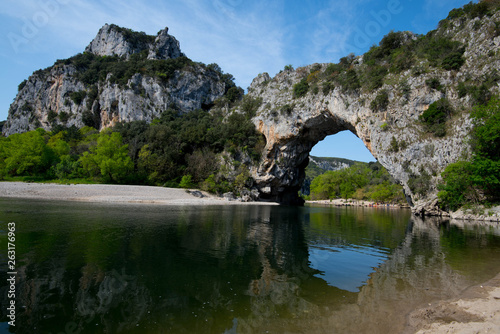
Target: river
[[101, 268]]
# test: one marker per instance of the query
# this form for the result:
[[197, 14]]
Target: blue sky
[[244, 37]]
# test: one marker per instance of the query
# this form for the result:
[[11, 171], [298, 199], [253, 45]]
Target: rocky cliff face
[[329, 165], [393, 132], [83, 91], [112, 40]]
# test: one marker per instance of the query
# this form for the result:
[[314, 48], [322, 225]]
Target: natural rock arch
[[292, 126], [287, 152], [287, 158]]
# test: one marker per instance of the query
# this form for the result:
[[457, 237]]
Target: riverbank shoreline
[[357, 203], [458, 216], [107, 193]]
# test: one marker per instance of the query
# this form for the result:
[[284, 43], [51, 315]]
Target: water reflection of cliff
[[229, 269]]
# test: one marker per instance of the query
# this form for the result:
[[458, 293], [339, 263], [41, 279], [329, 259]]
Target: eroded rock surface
[[62, 93], [395, 136]]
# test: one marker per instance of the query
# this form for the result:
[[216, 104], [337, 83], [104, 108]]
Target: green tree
[[458, 187], [3, 156], [148, 165], [300, 89], [434, 118], [108, 158], [325, 186], [242, 180], [68, 168], [361, 181], [27, 154], [382, 193], [486, 131], [210, 184], [186, 182], [58, 145]]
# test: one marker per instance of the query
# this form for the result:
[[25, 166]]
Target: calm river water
[[96, 268]]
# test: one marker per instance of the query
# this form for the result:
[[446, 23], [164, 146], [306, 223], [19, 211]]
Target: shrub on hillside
[[434, 118], [300, 89], [380, 102]]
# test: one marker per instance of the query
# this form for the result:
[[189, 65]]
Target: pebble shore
[[106, 193]]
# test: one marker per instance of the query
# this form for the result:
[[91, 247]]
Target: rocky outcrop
[[164, 47], [395, 136], [112, 40], [69, 93]]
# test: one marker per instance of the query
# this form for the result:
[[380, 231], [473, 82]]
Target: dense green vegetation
[[175, 150], [361, 181], [396, 52], [138, 40], [471, 11], [476, 181], [93, 69], [313, 170]]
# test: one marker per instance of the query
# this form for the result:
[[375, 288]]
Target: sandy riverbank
[[106, 193], [477, 310]]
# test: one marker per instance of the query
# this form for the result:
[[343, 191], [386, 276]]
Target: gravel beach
[[106, 193]]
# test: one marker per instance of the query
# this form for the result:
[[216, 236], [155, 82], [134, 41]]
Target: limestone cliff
[[301, 107], [112, 40], [330, 164], [123, 76]]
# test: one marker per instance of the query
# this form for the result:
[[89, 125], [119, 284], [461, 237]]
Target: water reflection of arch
[[409, 278], [287, 286]]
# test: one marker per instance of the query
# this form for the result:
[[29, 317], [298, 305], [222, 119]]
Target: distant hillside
[[320, 165]]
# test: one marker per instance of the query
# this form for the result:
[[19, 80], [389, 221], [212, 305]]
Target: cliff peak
[[112, 40]]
